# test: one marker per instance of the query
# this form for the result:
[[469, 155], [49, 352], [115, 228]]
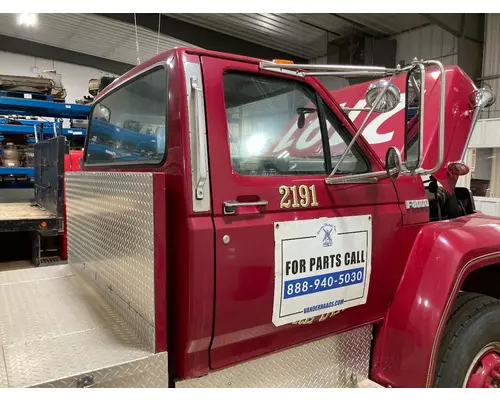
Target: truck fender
[[439, 258]]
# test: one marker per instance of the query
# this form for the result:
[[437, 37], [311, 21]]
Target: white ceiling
[[302, 35], [90, 34], [279, 31]]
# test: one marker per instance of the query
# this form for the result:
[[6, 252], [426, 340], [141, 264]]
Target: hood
[[387, 129]]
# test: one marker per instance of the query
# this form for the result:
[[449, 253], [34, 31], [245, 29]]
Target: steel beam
[[203, 37]]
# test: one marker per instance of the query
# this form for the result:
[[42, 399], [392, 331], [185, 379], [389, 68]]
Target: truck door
[[296, 259]]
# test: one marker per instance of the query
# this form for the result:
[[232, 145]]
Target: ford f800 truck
[[235, 224]]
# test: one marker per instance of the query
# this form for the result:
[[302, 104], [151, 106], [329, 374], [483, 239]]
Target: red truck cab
[[284, 232]]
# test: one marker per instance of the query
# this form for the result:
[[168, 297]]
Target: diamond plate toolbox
[[56, 331], [338, 361], [111, 241]]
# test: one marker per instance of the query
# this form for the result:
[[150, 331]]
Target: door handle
[[230, 206]]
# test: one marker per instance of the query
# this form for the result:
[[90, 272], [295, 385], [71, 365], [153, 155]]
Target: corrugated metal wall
[[491, 60], [486, 134], [487, 206], [428, 42], [487, 131]]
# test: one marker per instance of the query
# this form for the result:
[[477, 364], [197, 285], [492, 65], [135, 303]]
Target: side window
[[274, 128], [129, 125], [354, 162]]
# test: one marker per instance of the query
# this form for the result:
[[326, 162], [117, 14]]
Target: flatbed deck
[[55, 331], [22, 216]]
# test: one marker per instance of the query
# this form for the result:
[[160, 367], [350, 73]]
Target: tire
[[474, 323]]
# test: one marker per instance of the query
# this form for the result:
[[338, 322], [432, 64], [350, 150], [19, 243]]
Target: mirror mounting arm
[[361, 129], [396, 168], [442, 99], [480, 99], [418, 87], [370, 177]]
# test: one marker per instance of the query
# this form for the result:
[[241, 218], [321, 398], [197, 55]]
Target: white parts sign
[[321, 265]]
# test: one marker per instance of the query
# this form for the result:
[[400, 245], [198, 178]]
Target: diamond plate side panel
[[338, 361], [111, 240], [44, 360], [134, 320], [4, 383], [56, 328], [149, 372]]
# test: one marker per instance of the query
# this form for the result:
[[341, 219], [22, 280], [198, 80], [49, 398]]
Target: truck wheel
[[469, 355]]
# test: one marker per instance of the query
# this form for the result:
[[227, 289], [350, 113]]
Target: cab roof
[[177, 52]]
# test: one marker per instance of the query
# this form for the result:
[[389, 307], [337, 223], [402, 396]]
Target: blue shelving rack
[[29, 172], [28, 107], [41, 108], [48, 129]]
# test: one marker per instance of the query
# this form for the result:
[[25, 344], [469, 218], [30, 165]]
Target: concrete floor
[[12, 265]]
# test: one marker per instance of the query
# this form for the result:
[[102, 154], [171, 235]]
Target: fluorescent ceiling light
[[27, 19]]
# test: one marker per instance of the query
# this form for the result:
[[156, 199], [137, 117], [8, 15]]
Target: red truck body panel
[[440, 256], [220, 296], [245, 268]]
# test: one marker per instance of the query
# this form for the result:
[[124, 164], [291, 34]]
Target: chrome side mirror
[[483, 97], [389, 100], [393, 163]]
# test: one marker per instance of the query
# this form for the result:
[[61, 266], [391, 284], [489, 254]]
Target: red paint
[[219, 298], [71, 163], [411, 188], [440, 255], [191, 244], [245, 267], [76, 156], [486, 372]]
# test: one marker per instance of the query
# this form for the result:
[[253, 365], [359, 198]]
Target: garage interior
[[77, 52], [81, 47]]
